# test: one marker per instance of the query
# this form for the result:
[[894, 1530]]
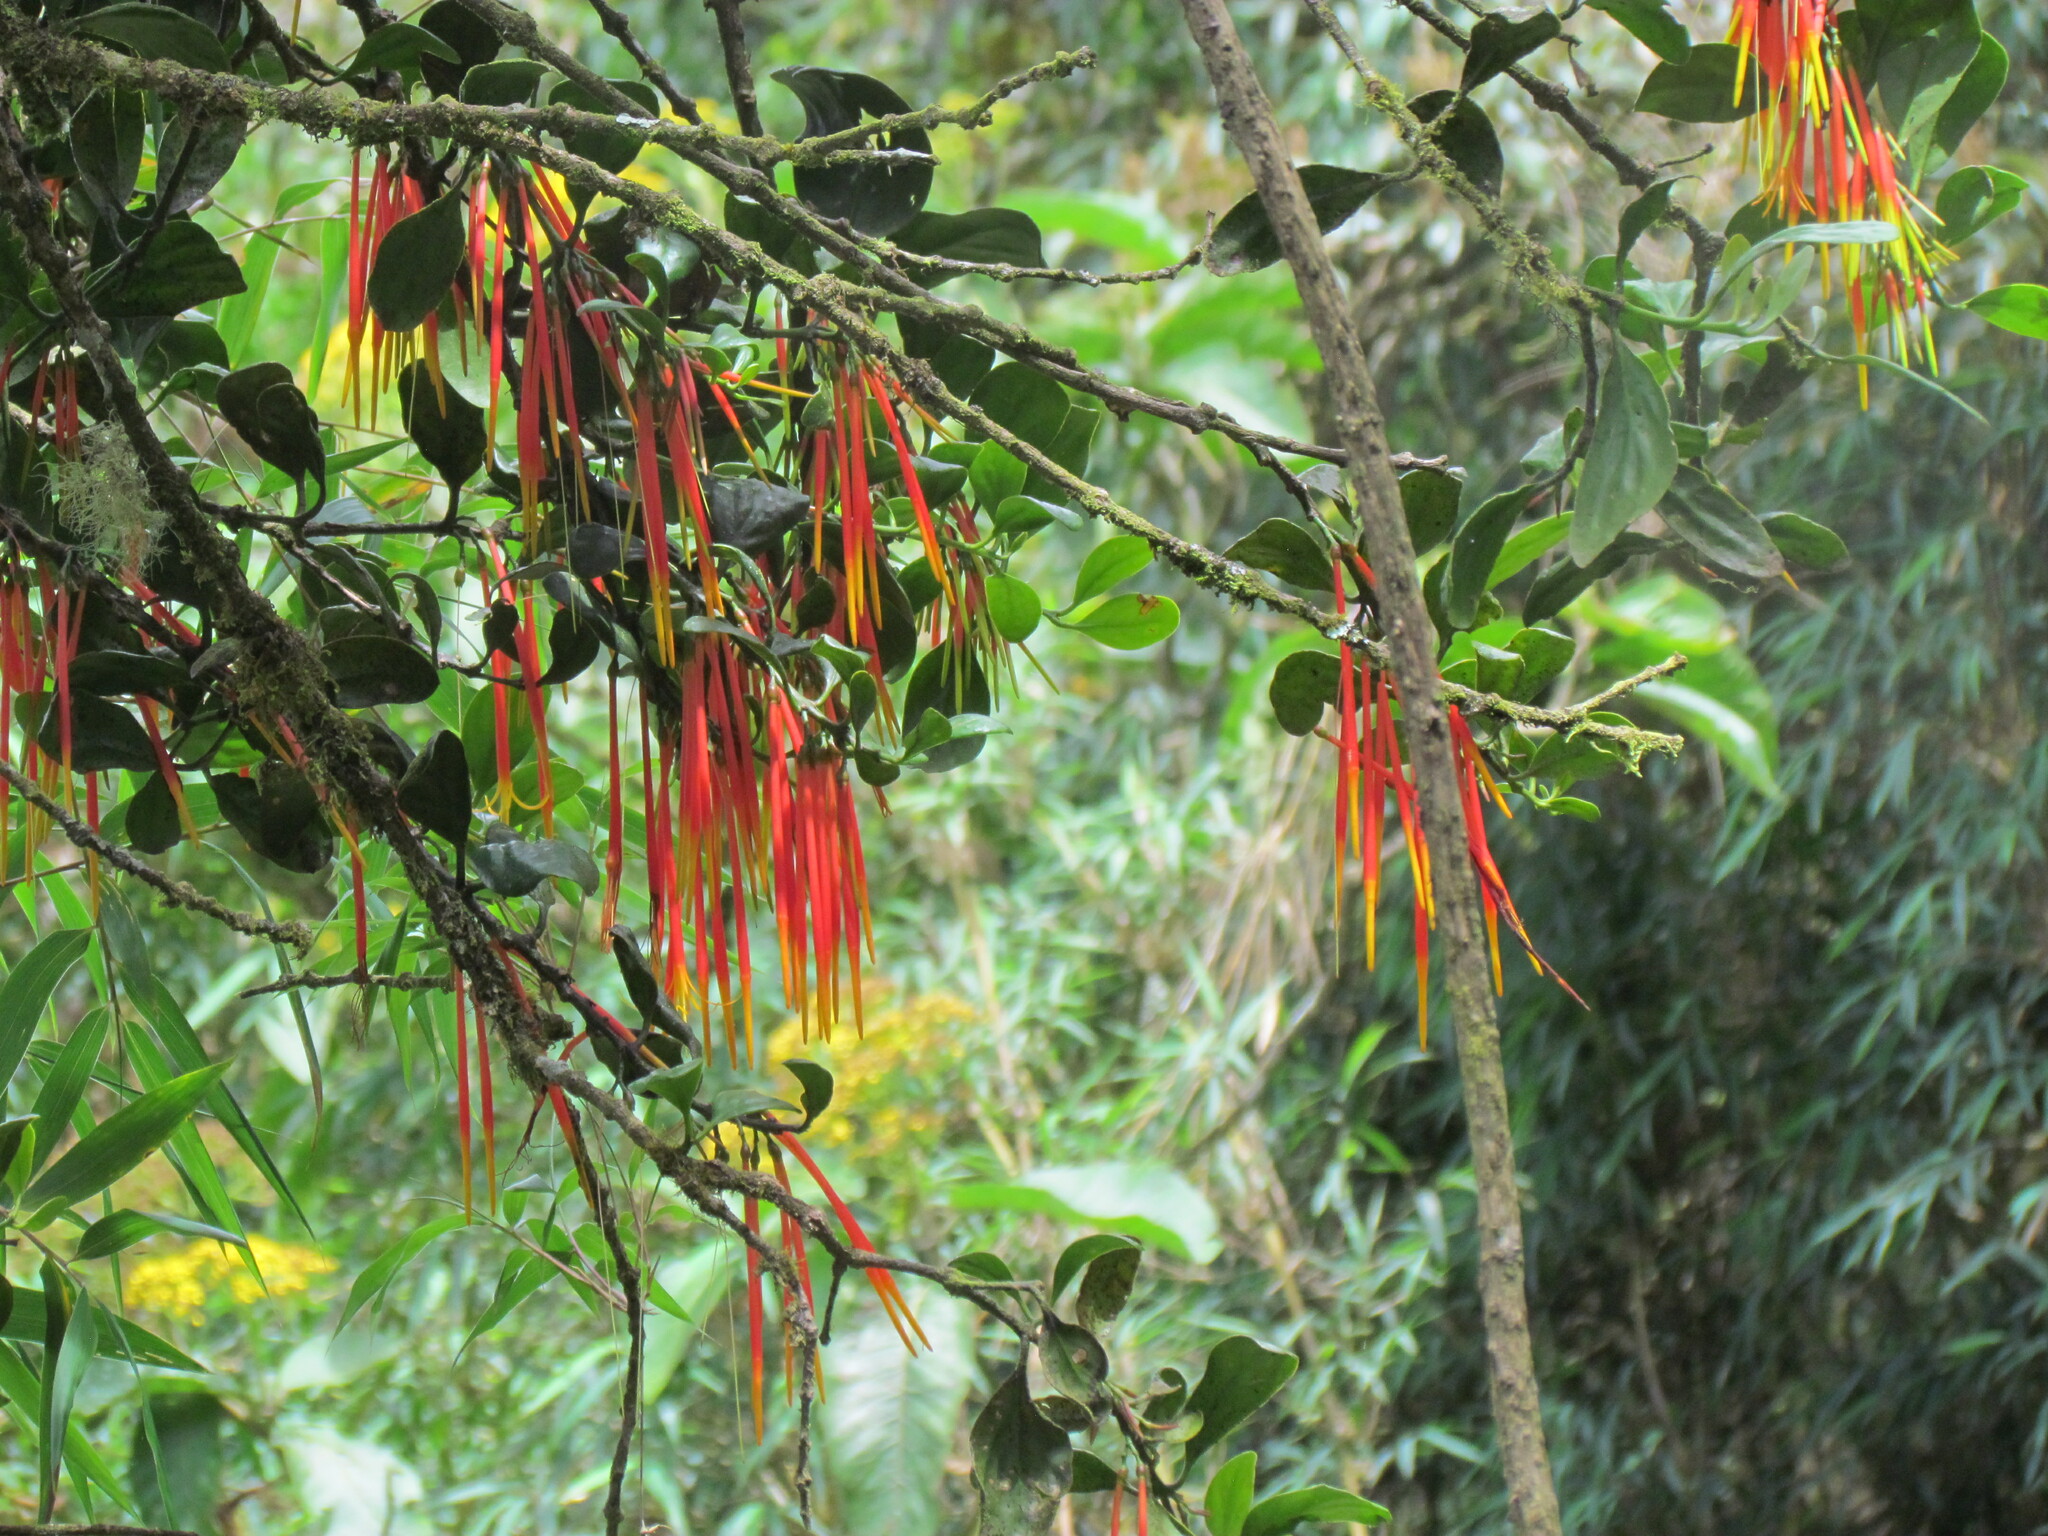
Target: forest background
[[1787, 1174]]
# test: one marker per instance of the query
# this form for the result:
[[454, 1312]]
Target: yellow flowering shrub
[[180, 1283], [876, 1079]]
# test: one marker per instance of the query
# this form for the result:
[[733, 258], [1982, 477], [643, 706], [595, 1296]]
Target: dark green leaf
[[131, 672], [1805, 542], [961, 362], [1106, 1286], [652, 1003], [1553, 591], [157, 32], [1075, 1362], [1497, 671], [106, 142], [24, 1323], [371, 1282], [611, 149], [64, 1084], [987, 235], [265, 404], [153, 825], [398, 45], [1024, 402], [1700, 510], [751, 514], [449, 429], [1975, 94], [1303, 684], [816, 1083], [417, 262], [505, 83], [1499, 40], [1241, 1375], [1474, 548], [122, 1140], [573, 644], [1244, 240], [1023, 1463], [1545, 654], [104, 736], [1916, 76], [1632, 459], [983, 1266], [515, 866], [1466, 136], [435, 791], [369, 670], [474, 40], [1700, 88], [1429, 498], [1287, 550], [1284, 1511], [1078, 1255], [278, 815], [1651, 24], [877, 199], [1749, 401], [1637, 220], [183, 266], [198, 151], [1091, 1474]]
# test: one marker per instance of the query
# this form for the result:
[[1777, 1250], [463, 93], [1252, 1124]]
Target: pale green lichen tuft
[[103, 496]]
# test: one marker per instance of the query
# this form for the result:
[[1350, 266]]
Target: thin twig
[[312, 980], [175, 893], [614, 21], [739, 64]]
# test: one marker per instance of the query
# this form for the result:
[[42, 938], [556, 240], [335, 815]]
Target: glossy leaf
[[1287, 550], [1106, 1286], [183, 266], [877, 199], [157, 32], [1130, 622], [1700, 87], [1545, 654], [265, 404], [516, 866], [1466, 135], [1229, 1498], [417, 261], [435, 791], [1023, 401], [2021, 308], [1116, 559], [1429, 500], [991, 236], [1973, 197], [1013, 607], [1700, 510], [610, 149], [104, 736], [1075, 1258], [26, 992], [1304, 684], [1284, 1511], [369, 670], [1499, 40], [1651, 23], [1474, 549], [1804, 542], [1023, 1463], [448, 428], [1242, 1374]]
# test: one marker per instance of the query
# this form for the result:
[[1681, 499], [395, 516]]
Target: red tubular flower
[[884, 1283]]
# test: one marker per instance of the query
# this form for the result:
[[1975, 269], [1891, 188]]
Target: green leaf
[[24, 1324], [1651, 24], [677, 1086], [435, 791], [1474, 549], [106, 143], [383, 1269], [1022, 516], [1466, 135], [398, 45], [1741, 745], [1244, 240], [369, 670], [1023, 1463], [123, 1139], [1637, 220], [1429, 500], [1973, 197], [1498, 42], [649, 1000], [1153, 1203], [503, 83], [1242, 1374], [1553, 591], [1916, 76], [995, 475], [1545, 654], [523, 1274], [991, 236], [983, 1266], [1130, 622], [1304, 683], [1700, 510], [609, 148], [1079, 1254], [1013, 607], [278, 815], [1092, 1474], [1106, 1286], [1700, 87], [265, 404], [877, 199], [1632, 459], [417, 261], [1975, 93], [158, 32], [1024, 402], [65, 1082], [474, 40], [574, 642], [2021, 308], [1116, 559], [515, 866], [1287, 550], [1522, 549], [1802, 541], [1284, 1511], [816, 1083], [1229, 1498], [447, 426], [124, 1229], [71, 1338], [183, 266], [1075, 1362], [1751, 400], [26, 992], [104, 736]]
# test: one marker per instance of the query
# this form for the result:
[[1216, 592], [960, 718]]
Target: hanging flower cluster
[[1824, 158]]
